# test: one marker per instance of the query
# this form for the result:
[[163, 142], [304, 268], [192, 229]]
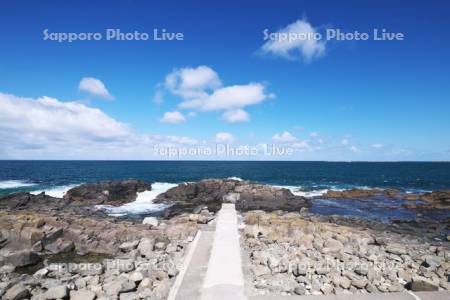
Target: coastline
[[34, 226]]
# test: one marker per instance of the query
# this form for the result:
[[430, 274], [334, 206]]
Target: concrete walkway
[[224, 278], [213, 269]]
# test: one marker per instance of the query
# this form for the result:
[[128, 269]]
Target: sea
[[308, 179]]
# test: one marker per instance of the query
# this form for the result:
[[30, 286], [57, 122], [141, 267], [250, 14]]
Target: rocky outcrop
[[213, 192], [437, 199], [107, 192], [352, 193], [289, 254], [23, 201]]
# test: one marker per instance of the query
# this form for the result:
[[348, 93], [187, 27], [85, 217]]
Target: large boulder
[[247, 196], [116, 192], [19, 258]]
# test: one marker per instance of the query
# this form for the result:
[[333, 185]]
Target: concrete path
[[224, 278], [189, 282]]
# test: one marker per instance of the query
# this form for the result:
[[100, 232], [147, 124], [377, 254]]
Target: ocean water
[[309, 179]]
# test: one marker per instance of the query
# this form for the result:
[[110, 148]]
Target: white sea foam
[[12, 184], [235, 178], [57, 191], [143, 203], [298, 191]]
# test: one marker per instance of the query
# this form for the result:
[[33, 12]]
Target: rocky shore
[[297, 253], [97, 256], [67, 248]]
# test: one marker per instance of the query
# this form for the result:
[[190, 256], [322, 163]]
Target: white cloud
[[377, 146], [94, 87], [354, 149], [173, 117], [285, 137], [201, 89], [192, 82], [313, 134], [231, 97], [224, 137], [47, 128], [235, 116], [344, 142], [306, 48]]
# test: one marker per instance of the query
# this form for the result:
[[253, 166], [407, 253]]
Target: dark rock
[[24, 200], [213, 192], [107, 192], [419, 284], [352, 193]]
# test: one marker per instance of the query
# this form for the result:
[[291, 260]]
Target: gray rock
[[419, 284], [82, 295], [41, 273], [300, 290], [326, 288], [21, 258], [58, 292], [128, 246], [129, 296], [7, 269], [432, 262], [152, 221], [60, 246], [146, 246], [17, 292], [396, 249], [119, 285]]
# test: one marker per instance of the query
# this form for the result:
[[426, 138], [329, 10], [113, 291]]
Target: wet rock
[[107, 192], [437, 199], [352, 193]]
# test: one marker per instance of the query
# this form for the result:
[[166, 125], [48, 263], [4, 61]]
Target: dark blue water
[[306, 176], [415, 176]]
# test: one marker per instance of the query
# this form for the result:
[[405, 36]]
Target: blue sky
[[351, 100]]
